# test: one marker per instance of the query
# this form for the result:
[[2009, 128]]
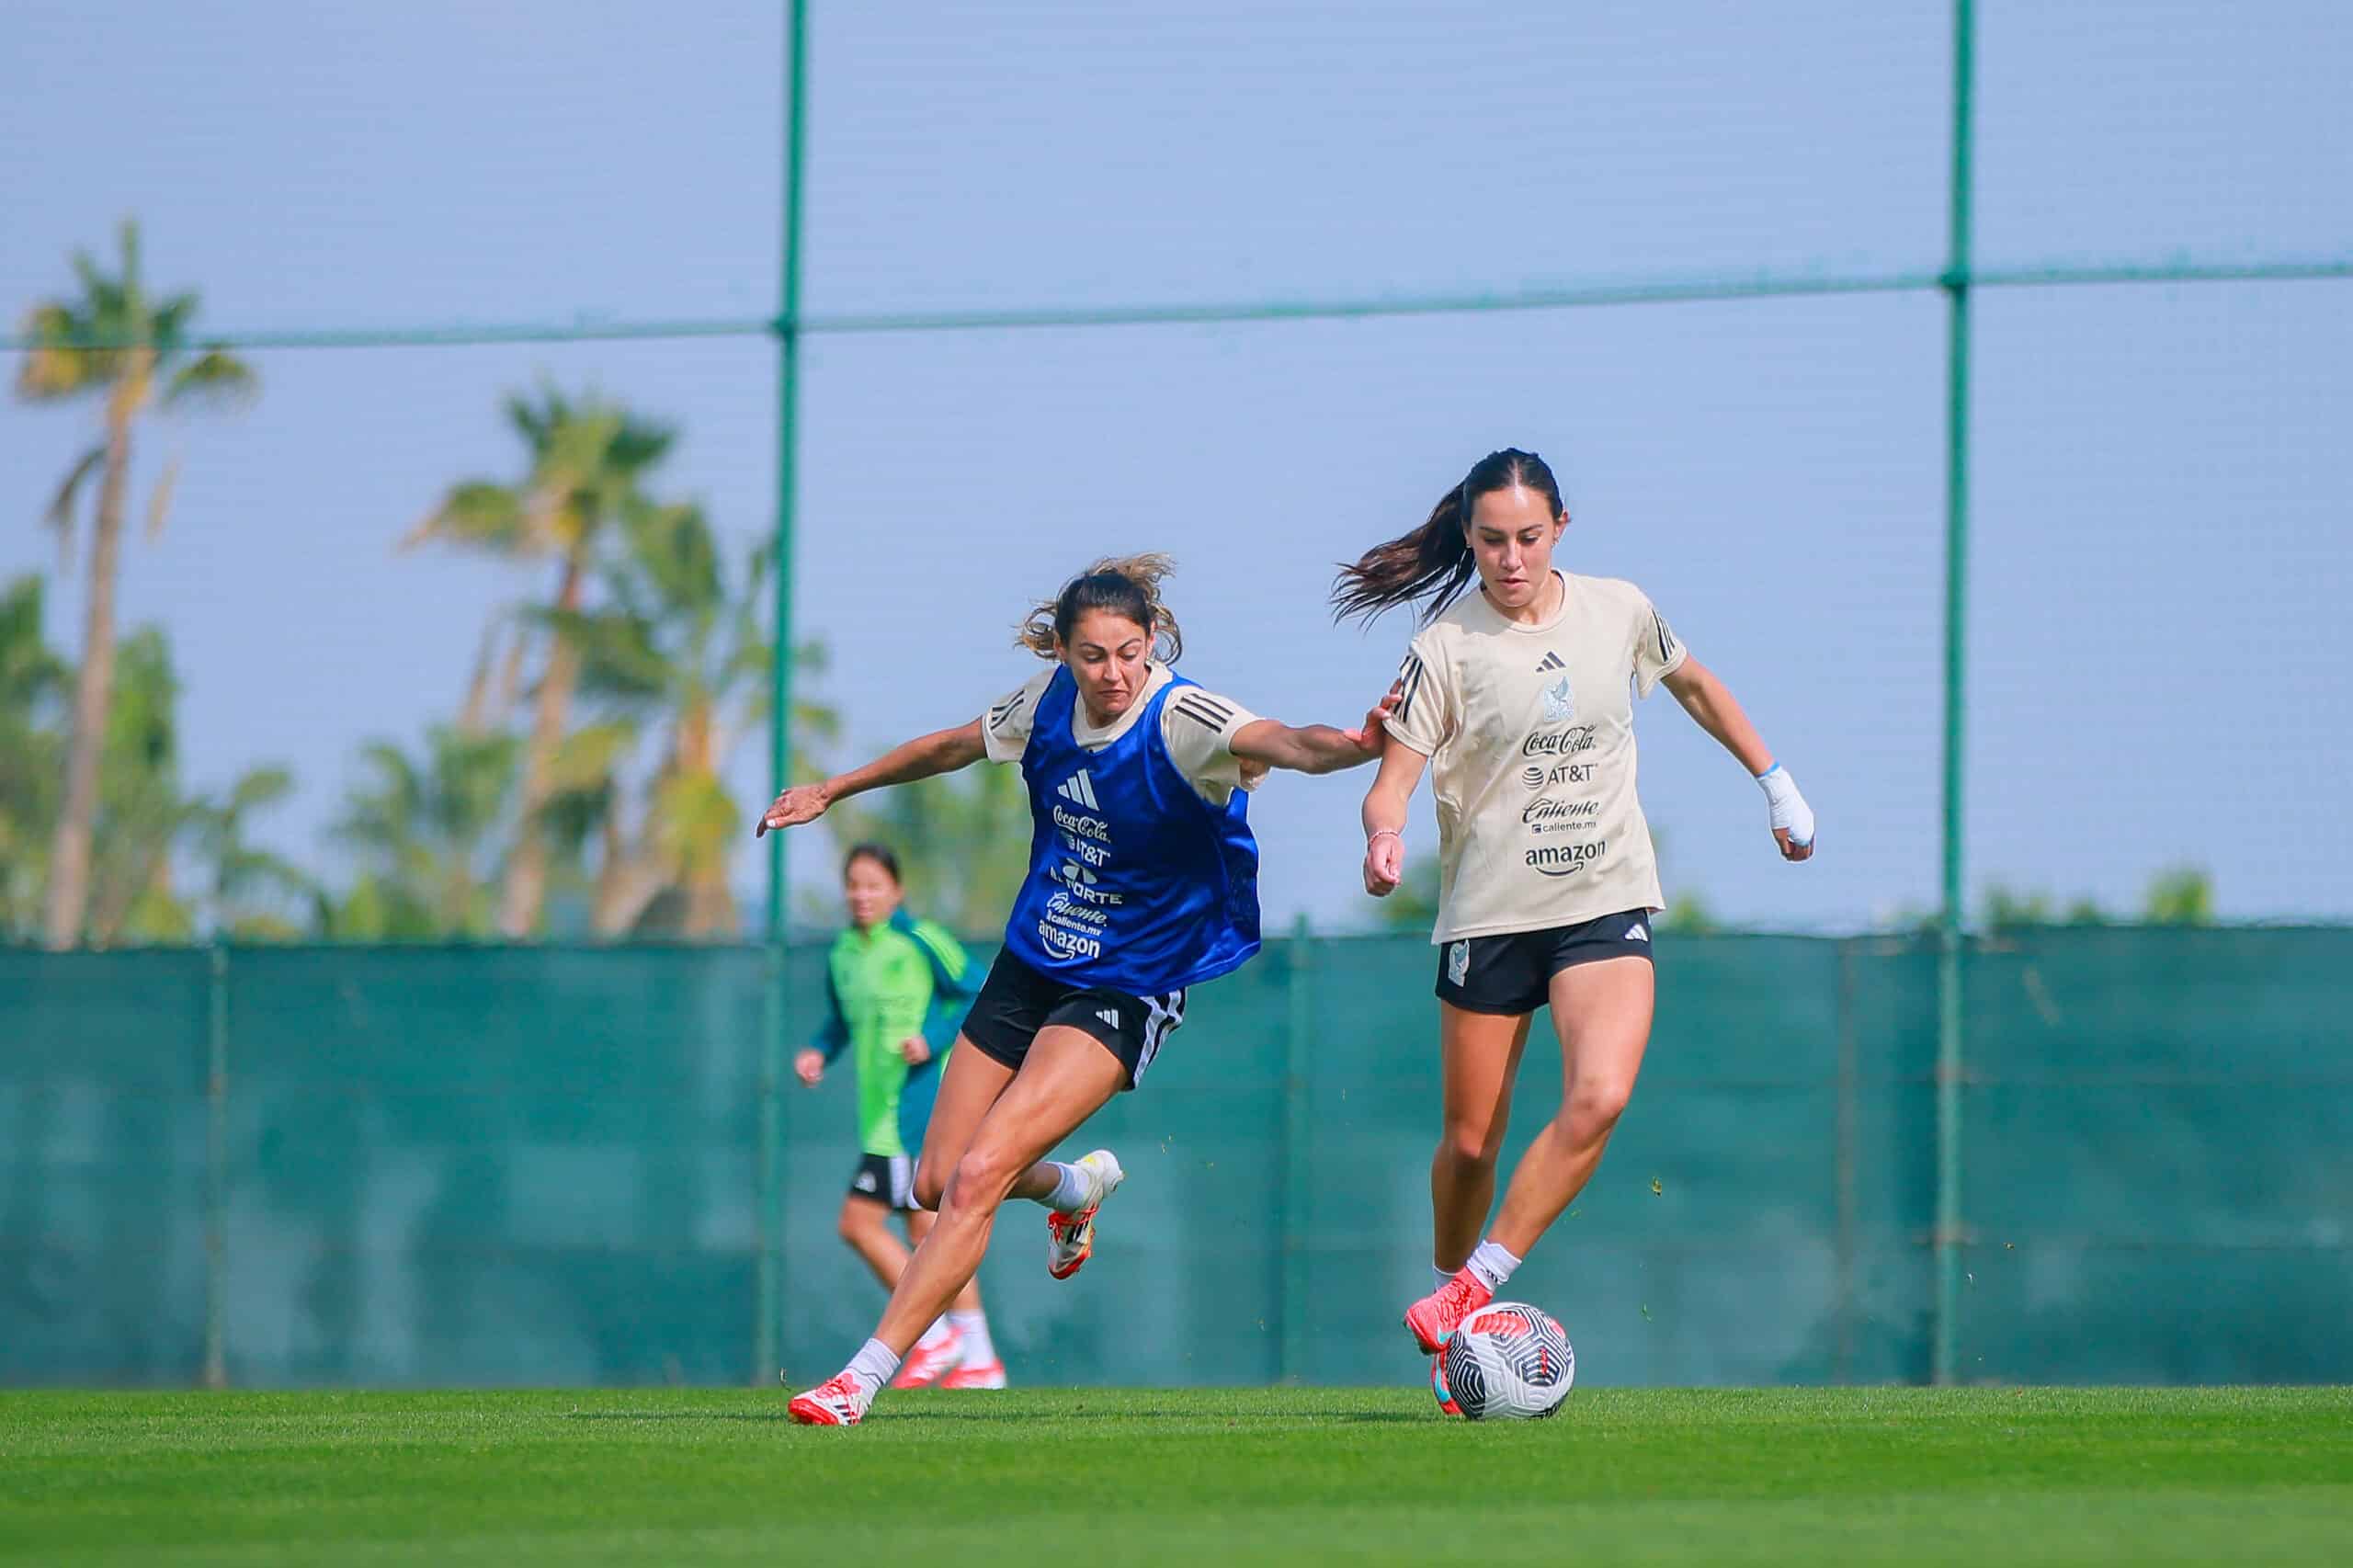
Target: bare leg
[[1479, 1059], [1603, 1012], [1067, 1078], [969, 1086], [919, 1225]]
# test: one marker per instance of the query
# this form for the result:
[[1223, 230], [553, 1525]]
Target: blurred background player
[[1518, 697], [895, 990], [1143, 883]]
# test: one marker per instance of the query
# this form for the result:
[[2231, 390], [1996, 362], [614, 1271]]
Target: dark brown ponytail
[[1434, 563], [1128, 586]]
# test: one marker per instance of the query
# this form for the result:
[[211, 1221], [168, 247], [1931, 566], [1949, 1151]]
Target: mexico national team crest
[[1458, 962], [1558, 705]]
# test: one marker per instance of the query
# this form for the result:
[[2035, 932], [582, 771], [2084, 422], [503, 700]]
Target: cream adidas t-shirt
[[1198, 727], [1530, 731]]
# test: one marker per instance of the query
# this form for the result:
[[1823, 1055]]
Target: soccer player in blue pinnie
[[1143, 883]]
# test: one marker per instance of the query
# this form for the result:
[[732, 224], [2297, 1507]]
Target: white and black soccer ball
[[1508, 1361]]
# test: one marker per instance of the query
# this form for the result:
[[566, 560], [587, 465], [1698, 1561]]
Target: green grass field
[[2250, 1477]]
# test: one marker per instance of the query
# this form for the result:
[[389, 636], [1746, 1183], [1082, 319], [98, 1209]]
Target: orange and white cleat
[[1436, 1316], [1070, 1238], [931, 1363], [979, 1375], [840, 1401]]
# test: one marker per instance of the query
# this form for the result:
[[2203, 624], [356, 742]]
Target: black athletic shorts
[[1016, 1002], [887, 1180], [1513, 973]]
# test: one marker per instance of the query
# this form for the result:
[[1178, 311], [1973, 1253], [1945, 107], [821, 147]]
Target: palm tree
[[674, 651], [118, 342], [588, 462], [425, 831], [2180, 895], [34, 683], [249, 887]]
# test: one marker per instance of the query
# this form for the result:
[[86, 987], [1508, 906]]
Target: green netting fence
[[325, 1166]]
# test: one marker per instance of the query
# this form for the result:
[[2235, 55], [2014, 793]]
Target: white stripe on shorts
[[1162, 1014]]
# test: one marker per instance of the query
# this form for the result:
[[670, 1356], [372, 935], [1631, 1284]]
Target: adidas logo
[[1108, 1015], [1635, 932], [1078, 787], [1552, 661]]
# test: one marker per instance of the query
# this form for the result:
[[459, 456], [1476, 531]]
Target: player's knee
[[1470, 1145], [982, 1179], [853, 1224], [931, 1184], [1596, 1103]]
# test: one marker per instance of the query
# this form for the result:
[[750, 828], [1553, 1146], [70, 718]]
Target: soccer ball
[[1508, 1361]]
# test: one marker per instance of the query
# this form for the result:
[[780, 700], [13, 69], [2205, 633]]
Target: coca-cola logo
[[1566, 741]]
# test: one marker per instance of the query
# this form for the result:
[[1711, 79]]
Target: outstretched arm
[[1314, 748], [1714, 709], [942, 751]]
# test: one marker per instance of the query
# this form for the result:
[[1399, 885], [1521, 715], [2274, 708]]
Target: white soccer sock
[[1072, 1189], [979, 1348], [1442, 1274], [942, 1327], [874, 1365], [1492, 1263]]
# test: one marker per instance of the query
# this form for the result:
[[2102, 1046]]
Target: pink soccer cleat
[[1436, 1315], [840, 1401], [1444, 1396], [930, 1364], [1070, 1238], [982, 1375]]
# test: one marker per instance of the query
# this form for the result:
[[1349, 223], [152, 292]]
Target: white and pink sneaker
[[1070, 1238], [931, 1361], [840, 1401], [982, 1375]]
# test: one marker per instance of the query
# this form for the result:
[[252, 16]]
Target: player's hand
[[1790, 817], [810, 1067], [802, 802], [915, 1049], [1369, 739], [1384, 865]]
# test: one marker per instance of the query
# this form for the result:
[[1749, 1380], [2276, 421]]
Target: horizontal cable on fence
[[1695, 290]]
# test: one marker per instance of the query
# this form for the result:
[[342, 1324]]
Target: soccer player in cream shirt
[[1517, 698]]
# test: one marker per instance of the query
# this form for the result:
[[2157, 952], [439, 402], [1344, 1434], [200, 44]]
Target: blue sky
[[2161, 481]]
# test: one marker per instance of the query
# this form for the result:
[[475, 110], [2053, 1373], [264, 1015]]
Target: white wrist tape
[[1788, 808]]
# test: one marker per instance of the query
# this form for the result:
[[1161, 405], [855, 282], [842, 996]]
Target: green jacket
[[905, 977]]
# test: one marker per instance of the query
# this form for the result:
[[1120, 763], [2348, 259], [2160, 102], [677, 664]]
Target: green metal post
[[1949, 1236], [216, 1173], [770, 1229], [1297, 1128]]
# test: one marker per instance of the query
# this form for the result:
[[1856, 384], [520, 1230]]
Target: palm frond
[[57, 366], [214, 377], [475, 513], [159, 505], [587, 759], [258, 787], [619, 659], [58, 514], [168, 321]]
